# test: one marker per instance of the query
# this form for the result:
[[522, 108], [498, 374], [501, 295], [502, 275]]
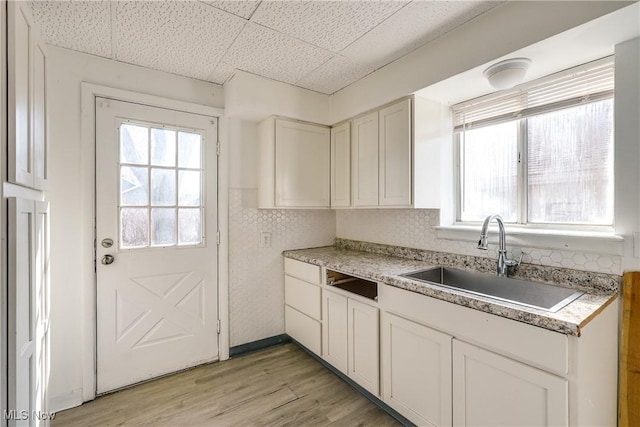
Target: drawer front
[[302, 270], [303, 329], [302, 296]]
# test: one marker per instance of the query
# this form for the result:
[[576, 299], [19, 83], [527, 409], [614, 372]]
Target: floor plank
[[279, 386]]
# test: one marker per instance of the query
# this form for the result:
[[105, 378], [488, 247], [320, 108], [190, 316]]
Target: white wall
[[72, 200]]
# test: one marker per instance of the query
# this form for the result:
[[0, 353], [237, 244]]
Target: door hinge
[[218, 148], [218, 327], [218, 237]]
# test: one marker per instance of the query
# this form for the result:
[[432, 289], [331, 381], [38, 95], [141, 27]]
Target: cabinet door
[[363, 345], [334, 330], [302, 165], [489, 389], [19, 71], [395, 154], [416, 371], [341, 165], [364, 160], [28, 308]]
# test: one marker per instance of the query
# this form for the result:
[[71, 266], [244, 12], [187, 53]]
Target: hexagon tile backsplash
[[414, 228], [256, 290]]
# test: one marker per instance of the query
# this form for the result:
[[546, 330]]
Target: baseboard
[[374, 399], [250, 347]]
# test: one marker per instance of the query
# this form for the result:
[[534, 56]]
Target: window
[[161, 191], [542, 153]]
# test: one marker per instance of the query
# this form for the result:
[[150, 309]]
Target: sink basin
[[531, 294]]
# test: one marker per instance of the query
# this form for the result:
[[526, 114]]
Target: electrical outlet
[[265, 239]]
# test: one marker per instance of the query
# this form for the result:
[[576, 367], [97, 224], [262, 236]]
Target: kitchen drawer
[[302, 270], [302, 296], [304, 329]]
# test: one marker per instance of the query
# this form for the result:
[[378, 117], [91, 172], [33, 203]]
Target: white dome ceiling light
[[508, 73]]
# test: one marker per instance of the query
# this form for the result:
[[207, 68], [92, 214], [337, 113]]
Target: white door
[[156, 250], [334, 330], [491, 390], [341, 165]]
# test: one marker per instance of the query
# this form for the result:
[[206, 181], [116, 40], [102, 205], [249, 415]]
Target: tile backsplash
[[414, 228], [256, 289]]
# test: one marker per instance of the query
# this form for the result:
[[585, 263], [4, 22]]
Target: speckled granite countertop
[[386, 268]]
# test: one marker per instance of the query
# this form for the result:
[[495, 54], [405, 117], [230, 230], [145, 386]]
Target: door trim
[[89, 92]]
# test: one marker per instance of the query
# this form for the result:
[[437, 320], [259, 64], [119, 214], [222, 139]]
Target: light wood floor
[[280, 386]]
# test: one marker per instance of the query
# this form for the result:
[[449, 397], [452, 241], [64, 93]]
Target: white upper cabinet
[[341, 165], [394, 141], [294, 164], [364, 160], [26, 100]]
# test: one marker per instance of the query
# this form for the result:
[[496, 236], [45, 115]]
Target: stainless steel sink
[[537, 295]]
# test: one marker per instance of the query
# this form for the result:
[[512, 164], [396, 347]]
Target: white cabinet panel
[[26, 72], [395, 155], [334, 331], [364, 160], [363, 345], [303, 329], [302, 270], [341, 165], [19, 70], [28, 308], [302, 296], [489, 389], [416, 371], [294, 164]]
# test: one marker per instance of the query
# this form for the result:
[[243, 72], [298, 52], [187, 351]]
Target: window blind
[[580, 85]]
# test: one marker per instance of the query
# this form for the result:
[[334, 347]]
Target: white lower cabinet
[[489, 389], [350, 337], [416, 366]]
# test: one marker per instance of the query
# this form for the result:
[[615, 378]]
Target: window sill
[[579, 241]]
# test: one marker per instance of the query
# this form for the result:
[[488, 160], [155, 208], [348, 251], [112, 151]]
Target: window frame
[[149, 206]]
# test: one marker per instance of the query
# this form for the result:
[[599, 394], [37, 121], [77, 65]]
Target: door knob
[[108, 259]]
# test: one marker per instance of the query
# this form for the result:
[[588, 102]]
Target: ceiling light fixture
[[508, 73]]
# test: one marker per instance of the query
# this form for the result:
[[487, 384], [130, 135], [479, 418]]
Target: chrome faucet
[[503, 261]]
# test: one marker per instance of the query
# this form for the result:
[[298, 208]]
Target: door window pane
[[163, 147], [489, 172], [189, 150], [134, 144], [134, 186], [160, 171], [134, 223], [163, 187], [189, 188], [189, 226], [163, 226], [570, 169]]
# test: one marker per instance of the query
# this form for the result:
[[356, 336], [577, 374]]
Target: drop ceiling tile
[[182, 37], [334, 75], [416, 24], [79, 25], [270, 54], [242, 8], [332, 25]]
